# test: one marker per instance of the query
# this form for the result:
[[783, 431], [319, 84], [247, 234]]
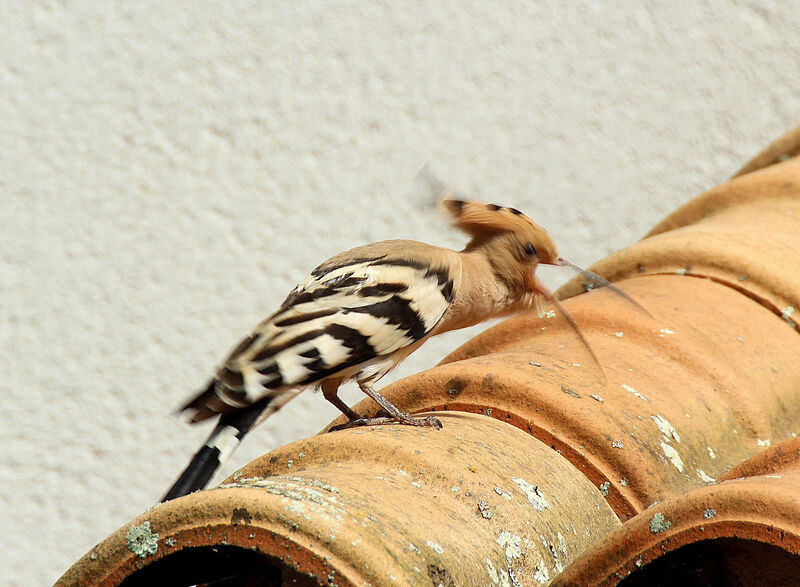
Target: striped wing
[[348, 313]]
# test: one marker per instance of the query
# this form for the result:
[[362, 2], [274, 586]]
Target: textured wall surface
[[169, 170]]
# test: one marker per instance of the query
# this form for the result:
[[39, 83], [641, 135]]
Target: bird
[[360, 313]]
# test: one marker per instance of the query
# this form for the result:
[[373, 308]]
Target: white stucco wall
[[169, 170]]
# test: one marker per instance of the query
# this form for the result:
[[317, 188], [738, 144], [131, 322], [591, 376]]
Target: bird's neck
[[480, 294]]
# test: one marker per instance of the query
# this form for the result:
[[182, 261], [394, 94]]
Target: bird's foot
[[403, 419]]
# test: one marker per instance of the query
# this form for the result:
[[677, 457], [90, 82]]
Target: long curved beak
[[542, 289], [602, 281]]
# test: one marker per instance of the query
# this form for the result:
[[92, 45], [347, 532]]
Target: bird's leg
[[395, 415], [330, 391]]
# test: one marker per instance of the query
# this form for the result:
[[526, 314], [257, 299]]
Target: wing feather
[[353, 311]]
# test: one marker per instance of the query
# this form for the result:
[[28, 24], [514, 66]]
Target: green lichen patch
[[141, 541], [659, 523]]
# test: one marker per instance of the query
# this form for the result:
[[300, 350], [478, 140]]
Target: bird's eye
[[530, 250]]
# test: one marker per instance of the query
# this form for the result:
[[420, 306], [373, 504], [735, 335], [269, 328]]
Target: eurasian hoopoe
[[360, 313]]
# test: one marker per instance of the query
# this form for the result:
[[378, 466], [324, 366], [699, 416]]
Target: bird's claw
[[431, 421], [405, 420]]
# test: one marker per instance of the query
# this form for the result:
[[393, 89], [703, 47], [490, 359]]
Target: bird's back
[[356, 309]]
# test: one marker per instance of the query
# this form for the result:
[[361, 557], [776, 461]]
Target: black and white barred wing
[[347, 319]]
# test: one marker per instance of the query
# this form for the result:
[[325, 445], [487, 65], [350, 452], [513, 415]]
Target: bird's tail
[[224, 439]]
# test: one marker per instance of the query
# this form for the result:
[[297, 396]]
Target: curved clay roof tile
[[558, 456]]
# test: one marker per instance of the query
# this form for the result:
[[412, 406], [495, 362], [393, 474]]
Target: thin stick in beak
[[595, 278], [542, 289]]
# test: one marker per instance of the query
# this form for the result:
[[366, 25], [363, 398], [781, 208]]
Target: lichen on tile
[[673, 456], [630, 389], [659, 523], [435, 547], [141, 541], [705, 478], [535, 498], [786, 314], [667, 429]]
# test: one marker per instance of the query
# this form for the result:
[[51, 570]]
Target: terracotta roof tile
[[738, 532], [676, 461], [385, 505]]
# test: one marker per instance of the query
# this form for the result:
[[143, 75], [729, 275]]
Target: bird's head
[[513, 244]]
